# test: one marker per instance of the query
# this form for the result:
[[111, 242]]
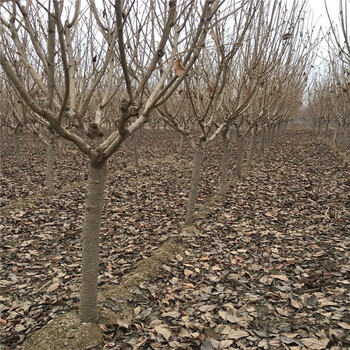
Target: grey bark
[[239, 159], [262, 142], [50, 161], [91, 233], [182, 142], [192, 198], [224, 163], [18, 149], [252, 147], [136, 152]]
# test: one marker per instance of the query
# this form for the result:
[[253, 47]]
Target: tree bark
[[239, 160], [182, 142], [91, 232], [192, 198], [18, 149], [50, 161], [224, 163], [262, 142], [136, 152], [252, 147]]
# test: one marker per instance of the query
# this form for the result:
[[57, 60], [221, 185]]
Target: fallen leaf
[[53, 287], [314, 343], [164, 330]]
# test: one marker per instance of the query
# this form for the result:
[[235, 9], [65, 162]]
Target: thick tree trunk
[[192, 198], [136, 152], [91, 233], [252, 148], [50, 161], [239, 160], [224, 163], [18, 149]]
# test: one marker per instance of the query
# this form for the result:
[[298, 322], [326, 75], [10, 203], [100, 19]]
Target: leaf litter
[[267, 267]]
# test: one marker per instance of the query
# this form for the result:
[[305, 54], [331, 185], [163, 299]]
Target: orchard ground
[[267, 266]]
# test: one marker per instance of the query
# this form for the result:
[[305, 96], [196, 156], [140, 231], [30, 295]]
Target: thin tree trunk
[[91, 233], [182, 142], [50, 161], [224, 163], [252, 148], [192, 198], [141, 133], [18, 149], [58, 148], [262, 142], [1, 135], [335, 135], [239, 159]]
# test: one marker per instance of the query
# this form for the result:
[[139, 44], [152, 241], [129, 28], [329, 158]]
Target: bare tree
[[73, 57]]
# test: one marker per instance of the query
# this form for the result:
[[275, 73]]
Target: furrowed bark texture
[[91, 233], [192, 198]]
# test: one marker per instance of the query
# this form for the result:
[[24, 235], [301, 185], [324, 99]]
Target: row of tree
[[328, 102], [94, 75]]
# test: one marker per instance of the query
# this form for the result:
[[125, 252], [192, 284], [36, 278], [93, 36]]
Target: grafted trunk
[[192, 198], [91, 233], [224, 162], [239, 160], [18, 149], [50, 161], [252, 148]]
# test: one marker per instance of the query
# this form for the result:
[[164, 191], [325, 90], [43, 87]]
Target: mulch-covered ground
[[267, 268]]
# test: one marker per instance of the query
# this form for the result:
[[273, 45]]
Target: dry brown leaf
[[164, 330], [213, 35], [238, 334], [224, 344], [281, 277], [344, 325], [53, 287], [179, 68], [314, 343]]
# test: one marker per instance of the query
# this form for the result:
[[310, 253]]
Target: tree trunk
[[262, 142], [50, 161], [192, 198], [182, 142], [91, 233], [224, 163], [136, 152], [18, 149], [141, 133], [252, 148], [335, 135], [239, 160]]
